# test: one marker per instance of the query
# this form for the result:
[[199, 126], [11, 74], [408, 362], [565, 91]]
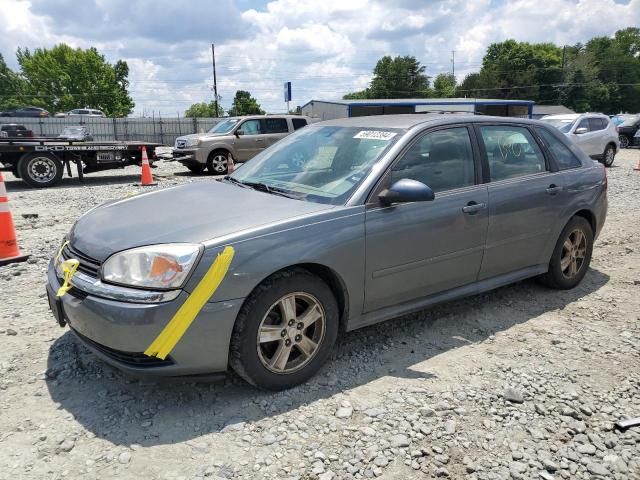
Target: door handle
[[259, 139], [472, 208], [553, 189]]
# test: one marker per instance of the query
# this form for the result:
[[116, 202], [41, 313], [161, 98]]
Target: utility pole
[[215, 83], [453, 63], [563, 83]]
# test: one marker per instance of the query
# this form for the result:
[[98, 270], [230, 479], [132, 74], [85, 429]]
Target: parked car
[[78, 133], [620, 117], [593, 132], [15, 131], [240, 138], [627, 131], [25, 112], [81, 112], [387, 215]]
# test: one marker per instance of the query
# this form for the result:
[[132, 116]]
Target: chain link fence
[[155, 130]]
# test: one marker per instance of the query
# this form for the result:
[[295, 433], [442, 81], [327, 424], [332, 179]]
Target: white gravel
[[521, 383]]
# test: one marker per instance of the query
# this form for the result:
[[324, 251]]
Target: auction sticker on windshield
[[375, 135]]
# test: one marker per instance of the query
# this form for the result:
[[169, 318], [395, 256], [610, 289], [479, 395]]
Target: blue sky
[[326, 48]]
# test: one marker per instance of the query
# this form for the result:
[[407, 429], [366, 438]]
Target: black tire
[[196, 167], [555, 278], [625, 141], [218, 162], [243, 354], [609, 155], [40, 170]]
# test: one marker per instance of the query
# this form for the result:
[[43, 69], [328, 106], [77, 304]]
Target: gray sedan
[[386, 215]]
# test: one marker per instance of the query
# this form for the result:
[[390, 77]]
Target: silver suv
[[238, 138], [595, 133]]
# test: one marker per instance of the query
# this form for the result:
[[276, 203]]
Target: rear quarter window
[[298, 123], [562, 155]]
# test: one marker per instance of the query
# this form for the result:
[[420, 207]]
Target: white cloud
[[325, 48]]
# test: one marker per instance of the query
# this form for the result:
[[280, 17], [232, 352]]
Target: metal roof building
[[540, 111], [327, 110]]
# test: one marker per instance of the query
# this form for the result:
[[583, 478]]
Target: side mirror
[[581, 130], [239, 132], [406, 190]]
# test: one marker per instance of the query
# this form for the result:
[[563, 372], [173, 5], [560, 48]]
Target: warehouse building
[[327, 110]]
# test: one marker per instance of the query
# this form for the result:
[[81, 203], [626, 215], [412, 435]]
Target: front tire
[[609, 155], [284, 331], [571, 256], [41, 170], [218, 162]]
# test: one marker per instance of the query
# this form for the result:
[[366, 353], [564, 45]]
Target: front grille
[[88, 265], [132, 359]]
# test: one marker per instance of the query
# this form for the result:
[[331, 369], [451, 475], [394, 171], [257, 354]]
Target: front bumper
[[189, 156], [119, 332]]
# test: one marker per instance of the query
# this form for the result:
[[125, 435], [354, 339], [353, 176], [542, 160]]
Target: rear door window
[[561, 154], [276, 125], [298, 123], [596, 124], [511, 152]]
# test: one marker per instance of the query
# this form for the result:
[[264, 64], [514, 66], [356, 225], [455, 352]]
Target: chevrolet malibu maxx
[[387, 215]]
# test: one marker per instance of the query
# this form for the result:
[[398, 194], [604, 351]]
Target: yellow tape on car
[[69, 268], [178, 325]]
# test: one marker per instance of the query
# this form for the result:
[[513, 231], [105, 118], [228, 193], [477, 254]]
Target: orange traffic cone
[[230, 165], [638, 166], [147, 178], [9, 251]]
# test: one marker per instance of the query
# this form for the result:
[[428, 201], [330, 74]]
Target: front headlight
[[192, 142], [162, 267]]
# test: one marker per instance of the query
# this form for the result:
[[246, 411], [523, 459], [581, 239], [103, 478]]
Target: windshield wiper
[[236, 182], [263, 187]]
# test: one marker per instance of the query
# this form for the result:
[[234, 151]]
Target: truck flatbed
[[41, 161]]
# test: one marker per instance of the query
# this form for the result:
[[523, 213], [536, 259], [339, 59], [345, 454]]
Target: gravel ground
[[521, 383]]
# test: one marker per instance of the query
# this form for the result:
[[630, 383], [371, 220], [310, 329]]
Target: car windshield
[[562, 124], [630, 122], [322, 164], [225, 126]]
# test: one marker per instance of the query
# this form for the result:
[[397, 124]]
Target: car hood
[[203, 136], [191, 213]]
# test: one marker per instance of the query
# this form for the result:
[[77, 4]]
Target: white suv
[[593, 132]]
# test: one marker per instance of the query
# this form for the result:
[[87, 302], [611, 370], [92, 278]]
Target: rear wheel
[[624, 141], [609, 155], [218, 162], [571, 257], [40, 170], [284, 331]]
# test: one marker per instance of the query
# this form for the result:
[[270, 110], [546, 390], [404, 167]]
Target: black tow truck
[[41, 161]]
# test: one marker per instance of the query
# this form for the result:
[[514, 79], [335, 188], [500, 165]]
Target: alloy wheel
[[574, 252], [624, 141], [219, 163], [290, 334]]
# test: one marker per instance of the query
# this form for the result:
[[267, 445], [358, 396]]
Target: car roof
[[406, 121], [249, 117]]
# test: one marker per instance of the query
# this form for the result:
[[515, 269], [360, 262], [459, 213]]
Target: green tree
[[444, 85], [245, 104], [63, 78], [398, 77], [204, 110], [11, 87]]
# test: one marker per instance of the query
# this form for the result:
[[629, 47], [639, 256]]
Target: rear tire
[[40, 170], [285, 330], [571, 257], [218, 162], [609, 155]]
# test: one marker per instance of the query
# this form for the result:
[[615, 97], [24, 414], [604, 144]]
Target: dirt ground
[[522, 382]]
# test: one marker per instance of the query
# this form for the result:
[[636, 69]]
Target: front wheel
[[624, 141], [609, 155], [571, 257], [40, 170], [218, 162], [284, 331]]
